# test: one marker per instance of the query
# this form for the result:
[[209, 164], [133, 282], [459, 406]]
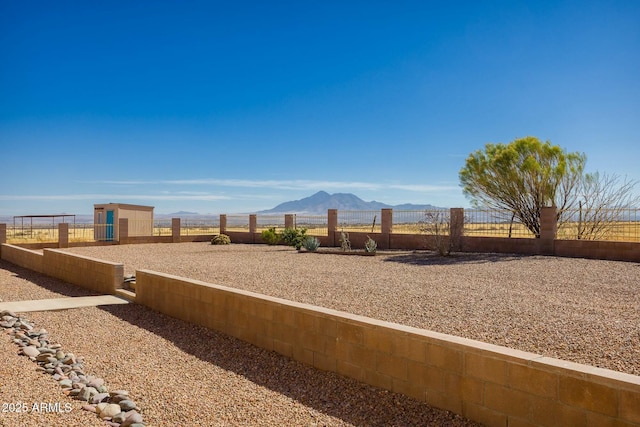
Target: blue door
[[109, 230]]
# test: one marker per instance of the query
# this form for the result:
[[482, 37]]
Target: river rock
[[96, 383], [65, 383], [110, 410], [87, 393], [119, 418], [100, 397], [90, 408], [8, 323], [133, 417], [30, 351], [127, 405]]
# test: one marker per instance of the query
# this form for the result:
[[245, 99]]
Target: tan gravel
[[586, 311], [184, 375]]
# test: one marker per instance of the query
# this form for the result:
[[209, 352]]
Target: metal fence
[[316, 225], [238, 223], [363, 221], [196, 227], [614, 224], [82, 232], [265, 222], [494, 223], [32, 233], [417, 221]]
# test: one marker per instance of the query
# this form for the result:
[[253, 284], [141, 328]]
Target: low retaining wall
[[618, 251], [101, 276], [25, 258], [493, 385]]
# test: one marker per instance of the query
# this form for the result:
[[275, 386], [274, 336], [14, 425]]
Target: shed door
[[109, 228]]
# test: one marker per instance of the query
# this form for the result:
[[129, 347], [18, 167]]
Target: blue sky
[[223, 107]]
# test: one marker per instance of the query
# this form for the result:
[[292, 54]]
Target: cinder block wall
[[33, 260], [101, 276], [493, 385]]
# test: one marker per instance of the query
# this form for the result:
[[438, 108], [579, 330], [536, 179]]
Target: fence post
[[253, 226], [3, 233], [223, 223], [123, 231], [332, 225], [386, 223], [63, 235], [456, 228], [175, 230], [548, 228], [288, 221]]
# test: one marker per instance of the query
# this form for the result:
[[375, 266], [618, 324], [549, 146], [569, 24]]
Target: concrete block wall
[[100, 276], [615, 251], [26, 258], [493, 385]]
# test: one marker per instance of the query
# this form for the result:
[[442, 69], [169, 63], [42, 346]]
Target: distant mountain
[[183, 213], [320, 202]]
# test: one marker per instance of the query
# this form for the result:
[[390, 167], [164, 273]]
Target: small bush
[[270, 236], [221, 239], [370, 245], [294, 237], [311, 243], [345, 243]]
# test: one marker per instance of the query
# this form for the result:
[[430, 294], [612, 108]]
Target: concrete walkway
[[60, 303]]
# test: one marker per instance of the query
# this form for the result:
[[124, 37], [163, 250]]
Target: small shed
[[106, 218]]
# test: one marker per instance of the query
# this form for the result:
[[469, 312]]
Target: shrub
[[221, 239], [311, 243], [370, 245], [345, 243], [270, 236], [294, 237]]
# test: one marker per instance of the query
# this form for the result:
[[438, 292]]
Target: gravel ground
[[586, 311], [184, 375]]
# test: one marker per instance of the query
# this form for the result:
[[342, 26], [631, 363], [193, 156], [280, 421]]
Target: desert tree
[[603, 203], [443, 230], [522, 177]]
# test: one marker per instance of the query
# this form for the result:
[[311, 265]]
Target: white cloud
[[292, 184], [201, 197]]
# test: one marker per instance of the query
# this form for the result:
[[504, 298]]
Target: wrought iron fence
[[32, 233], [196, 227], [265, 222], [238, 223], [494, 223], [83, 232], [363, 221], [614, 224], [417, 221], [316, 225]]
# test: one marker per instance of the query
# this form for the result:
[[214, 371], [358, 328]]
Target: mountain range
[[321, 201]]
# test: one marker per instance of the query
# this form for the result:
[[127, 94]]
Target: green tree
[[523, 177]]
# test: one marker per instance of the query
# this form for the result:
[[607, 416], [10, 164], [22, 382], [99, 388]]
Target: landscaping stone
[[115, 407], [110, 410], [30, 351]]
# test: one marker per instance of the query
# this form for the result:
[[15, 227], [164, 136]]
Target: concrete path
[[60, 303]]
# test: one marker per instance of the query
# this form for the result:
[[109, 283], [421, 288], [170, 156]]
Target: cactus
[[370, 245], [311, 243], [345, 244]]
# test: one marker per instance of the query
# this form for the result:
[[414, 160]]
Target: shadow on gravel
[[343, 398], [54, 285], [432, 258], [349, 400]]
